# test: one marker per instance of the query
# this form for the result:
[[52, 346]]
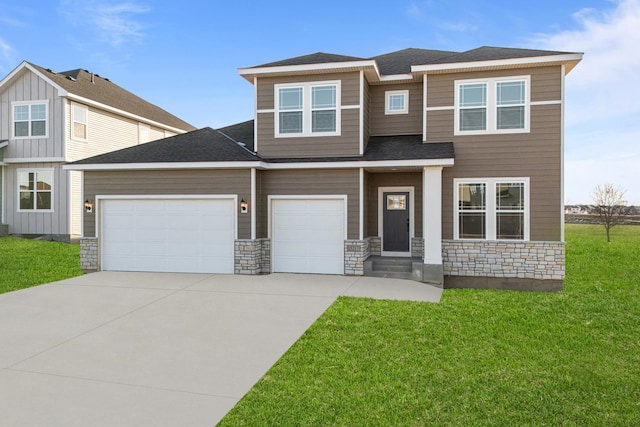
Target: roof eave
[[25, 65], [569, 60], [367, 65]]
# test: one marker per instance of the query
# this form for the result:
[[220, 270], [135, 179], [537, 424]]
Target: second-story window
[[307, 109], [79, 119], [495, 105], [30, 119]]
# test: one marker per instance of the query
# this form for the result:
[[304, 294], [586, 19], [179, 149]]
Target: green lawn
[[480, 357], [25, 263]]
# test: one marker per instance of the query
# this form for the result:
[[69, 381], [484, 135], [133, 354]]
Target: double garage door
[[198, 235]]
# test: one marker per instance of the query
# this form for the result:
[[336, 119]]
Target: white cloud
[[7, 53], [116, 23], [602, 134]]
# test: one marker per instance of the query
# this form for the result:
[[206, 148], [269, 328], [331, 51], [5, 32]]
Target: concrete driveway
[[157, 349]]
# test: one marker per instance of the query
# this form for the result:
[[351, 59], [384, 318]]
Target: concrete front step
[[403, 268]]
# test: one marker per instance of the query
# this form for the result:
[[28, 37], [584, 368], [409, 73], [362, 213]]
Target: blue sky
[[184, 56]]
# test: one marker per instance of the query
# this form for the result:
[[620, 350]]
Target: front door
[[395, 222]]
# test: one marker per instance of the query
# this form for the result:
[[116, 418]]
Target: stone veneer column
[[248, 256], [89, 254], [355, 253]]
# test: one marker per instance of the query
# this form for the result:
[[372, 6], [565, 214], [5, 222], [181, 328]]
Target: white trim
[[562, 77], [253, 203], [124, 113], [349, 107], [262, 165], [412, 208], [361, 206], [253, 71], [24, 64], [443, 108], [432, 215], [4, 144], [307, 109], [255, 115], [424, 108], [52, 191], [266, 111], [556, 102], [497, 63], [491, 105], [3, 199], [395, 77], [30, 103], [387, 97], [35, 160], [361, 117], [72, 107], [490, 207]]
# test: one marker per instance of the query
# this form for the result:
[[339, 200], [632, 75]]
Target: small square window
[[396, 102], [396, 202]]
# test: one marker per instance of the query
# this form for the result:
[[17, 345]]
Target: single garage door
[[308, 235], [168, 235]]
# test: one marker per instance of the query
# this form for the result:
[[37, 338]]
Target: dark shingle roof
[[400, 62], [78, 82], [314, 58], [490, 53], [241, 133], [203, 145]]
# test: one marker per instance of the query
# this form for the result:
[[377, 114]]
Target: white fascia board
[[4, 144], [35, 160], [396, 77], [306, 67], [497, 63], [261, 165], [106, 107], [25, 64]]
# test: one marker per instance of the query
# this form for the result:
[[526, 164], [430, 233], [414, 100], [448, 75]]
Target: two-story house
[[450, 160], [48, 119]]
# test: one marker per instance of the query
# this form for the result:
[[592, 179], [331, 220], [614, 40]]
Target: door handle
[[407, 225]]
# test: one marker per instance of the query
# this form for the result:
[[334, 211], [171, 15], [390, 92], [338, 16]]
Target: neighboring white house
[[49, 118]]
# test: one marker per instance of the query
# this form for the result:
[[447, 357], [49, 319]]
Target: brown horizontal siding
[[396, 124], [311, 182], [536, 155], [174, 182], [400, 179], [366, 114], [350, 87], [346, 144]]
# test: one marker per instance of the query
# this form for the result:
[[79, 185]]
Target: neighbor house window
[[492, 209], [307, 109], [396, 102], [30, 119], [35, 190], [497, 105], [79, 121]]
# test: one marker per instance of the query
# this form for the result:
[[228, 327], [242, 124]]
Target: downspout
[[3, 145]]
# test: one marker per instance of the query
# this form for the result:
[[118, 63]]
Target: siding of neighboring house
[[396, 124], [536, 154], [398, 179], [168, 182], [76, 202], [311, 182], [346, 144], [47, 223]]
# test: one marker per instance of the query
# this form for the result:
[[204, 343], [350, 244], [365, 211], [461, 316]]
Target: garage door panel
[[308, 235], [172, 235]]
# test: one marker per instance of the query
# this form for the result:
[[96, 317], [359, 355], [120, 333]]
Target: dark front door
[[395, 222]]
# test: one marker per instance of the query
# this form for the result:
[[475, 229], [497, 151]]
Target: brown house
[[444, 167]]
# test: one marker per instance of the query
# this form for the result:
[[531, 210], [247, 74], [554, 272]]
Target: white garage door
[[168, 235], [308, 235]]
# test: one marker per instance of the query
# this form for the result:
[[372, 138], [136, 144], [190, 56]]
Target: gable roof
[[400, 62], [83, 84]]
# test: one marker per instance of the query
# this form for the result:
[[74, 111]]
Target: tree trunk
[[608, 236]]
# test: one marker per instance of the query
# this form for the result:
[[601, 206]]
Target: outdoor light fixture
[[244, 206], [88, 206]]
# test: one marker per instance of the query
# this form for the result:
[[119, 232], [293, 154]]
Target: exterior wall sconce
[[244, 206], [88, 206]]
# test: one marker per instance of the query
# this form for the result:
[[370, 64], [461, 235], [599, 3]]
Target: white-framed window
[[30, 119], [307, 109], [79, 115], [491, 209], [495, 105], [396, 102], [35, 189]]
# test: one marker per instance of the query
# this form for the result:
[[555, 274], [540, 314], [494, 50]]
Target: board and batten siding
[[168, 182], [345, 144], [30, 87], [395, 124], [55, 222], [310, 182]]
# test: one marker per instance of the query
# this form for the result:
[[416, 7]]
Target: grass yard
[[480, 357], [25, 263]]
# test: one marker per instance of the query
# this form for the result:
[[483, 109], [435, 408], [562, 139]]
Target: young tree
[[609, 205]]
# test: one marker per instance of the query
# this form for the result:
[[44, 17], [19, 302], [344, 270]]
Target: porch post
[[432, 222]]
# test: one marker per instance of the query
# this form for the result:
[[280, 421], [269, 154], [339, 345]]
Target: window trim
[[387, 105], [14, 104], [491, 211], [307, 109], [492, 105], [75, 105], [36, 171]]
